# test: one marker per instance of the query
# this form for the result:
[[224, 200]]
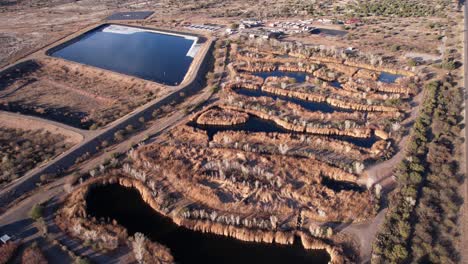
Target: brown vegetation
[[222, 118], [146, 251], [74, 94], [23, 150], [74, 212]]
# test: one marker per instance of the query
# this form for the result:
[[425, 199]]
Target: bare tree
[[283, 148], [68, 188], [139, 247]]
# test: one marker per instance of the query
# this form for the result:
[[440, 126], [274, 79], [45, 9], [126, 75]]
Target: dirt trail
[[381, 173]]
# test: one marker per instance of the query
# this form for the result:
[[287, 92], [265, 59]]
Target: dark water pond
[[253, 124], [386, 77], [127, 207], [342, 185], [299, 76], [311, 106], [361, 142], [336, 84], [146, 54], [257, 124], [329, 32]]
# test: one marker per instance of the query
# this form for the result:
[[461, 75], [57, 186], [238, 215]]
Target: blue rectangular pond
[[148, 54]]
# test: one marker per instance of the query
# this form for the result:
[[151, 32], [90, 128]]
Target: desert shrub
[[399, 8], [395, 47], [36, 212], [129, 128], [94, 126], [104, 143], [215, 88], [119, 135], [411, 62], [449, 65]]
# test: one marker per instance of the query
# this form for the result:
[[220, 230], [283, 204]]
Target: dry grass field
[[74, 94]]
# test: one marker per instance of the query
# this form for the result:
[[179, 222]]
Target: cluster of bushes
[[400, 8], [392, 243], [421, 224], [22, 150], [36, 212], [449, 65], [435, 230], [120, 135], [214, 76]]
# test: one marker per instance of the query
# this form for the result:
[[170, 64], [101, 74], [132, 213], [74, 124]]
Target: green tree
[[399, 253], [36, 212]]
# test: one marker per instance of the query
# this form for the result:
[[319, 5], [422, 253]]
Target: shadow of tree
[[16, 72]]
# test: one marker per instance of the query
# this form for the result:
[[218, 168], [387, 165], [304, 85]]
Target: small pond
[[253, 124], [339, 186], [257, 124], [311, 106], [360, 142], [126, 206], [386, 77], [336, 84], [329, 32], [300, 77], [151, 55]]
